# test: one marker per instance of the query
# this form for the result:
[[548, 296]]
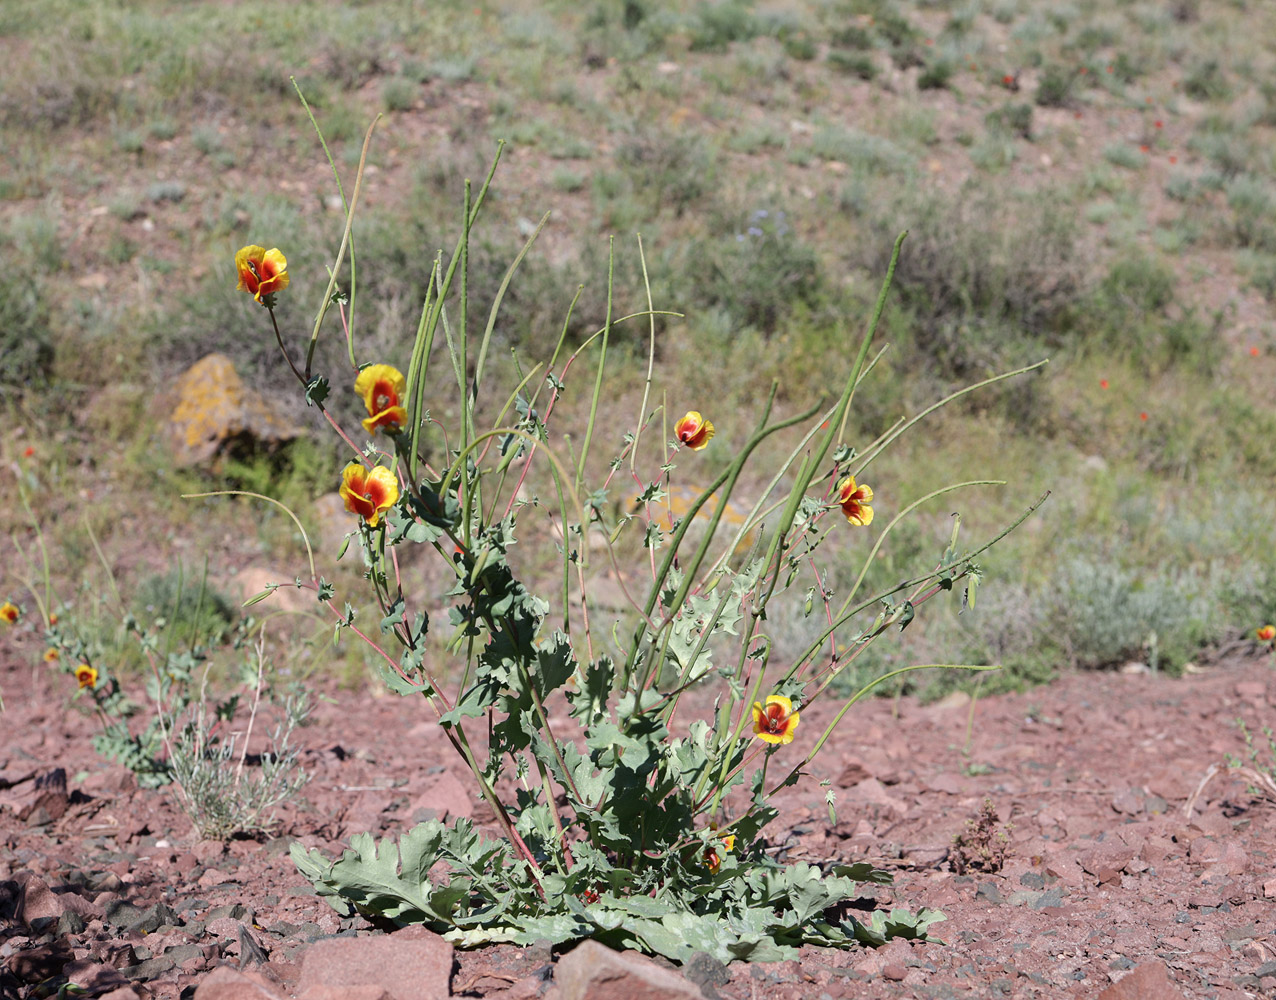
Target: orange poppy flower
[[9, 612], [775, 722], [369, 492], [51, 655], [86, 675], [855, 501], [693, 430], [382, 388], [261, 272], [1267, 633]]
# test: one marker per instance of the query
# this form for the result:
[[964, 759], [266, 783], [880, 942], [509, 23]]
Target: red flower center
[[775, 720], [384, 396]]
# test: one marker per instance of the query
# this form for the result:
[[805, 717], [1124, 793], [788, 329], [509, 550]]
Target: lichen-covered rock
[[210, 410]]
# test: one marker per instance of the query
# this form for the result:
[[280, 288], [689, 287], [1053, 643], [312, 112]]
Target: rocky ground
[[1107, 886]]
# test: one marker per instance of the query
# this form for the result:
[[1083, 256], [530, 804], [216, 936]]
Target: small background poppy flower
[[775, 722], [51, 655], [9, 612], [1253, 352], [369, 492], [382, 388], [694, 431], [261, 271], [1266, 634], [855, 501], [1103, 383], [86, 676]]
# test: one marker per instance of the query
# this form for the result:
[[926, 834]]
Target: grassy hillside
[[1086, 182]]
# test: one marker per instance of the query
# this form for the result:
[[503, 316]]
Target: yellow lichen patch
[[681, 499], [210, 406]]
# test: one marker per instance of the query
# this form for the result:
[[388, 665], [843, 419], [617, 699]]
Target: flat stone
[[411, 964], [37, 901], [1106, 858], [39, 799], [445, 796], [345, 993], [225, 983], [1147, 982], [592, 971]]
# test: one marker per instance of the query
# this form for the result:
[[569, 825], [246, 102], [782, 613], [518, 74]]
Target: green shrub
[[853, 63], [675, 169], [399, 93], [935, 75], [861, 151], [1011, 119], [1105, 615], [1253, 205], [26, 348], [759, 274], [194, 613], [714, 26], [1054, 88], [987, 282], [1121, 154], [1206, 81]]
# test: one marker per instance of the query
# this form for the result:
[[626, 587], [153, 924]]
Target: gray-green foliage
[[1105, 614], [189, 743], [625, 814], [752, 909], [215, 789]]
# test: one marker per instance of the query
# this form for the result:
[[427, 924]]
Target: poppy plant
[[9, 612], [1266, 634], [855, 501], [369, 492], [693, 430], [86, 676], [261, 272], [382, 388], [776, 722]]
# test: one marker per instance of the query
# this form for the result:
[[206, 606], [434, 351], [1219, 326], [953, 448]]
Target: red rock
[[445, 796], [41, 799], [1106, 857], [346, 993], [411, 964], [852, 774], [895, 973], [94, 976], [592, 971], [1147, 982], [225, 983], [1269, 888], [208, 851], [37, 899], [123, 993]]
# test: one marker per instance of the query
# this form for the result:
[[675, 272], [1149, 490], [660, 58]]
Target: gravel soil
[[1092, 867]]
